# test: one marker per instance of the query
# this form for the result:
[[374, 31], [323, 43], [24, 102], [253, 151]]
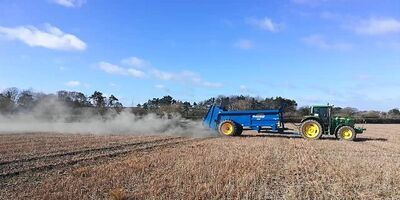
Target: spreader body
[[245, 119]]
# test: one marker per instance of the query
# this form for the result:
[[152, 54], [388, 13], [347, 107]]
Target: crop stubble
[[249, 167]]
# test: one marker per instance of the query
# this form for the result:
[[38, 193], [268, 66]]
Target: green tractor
[[321, 122]]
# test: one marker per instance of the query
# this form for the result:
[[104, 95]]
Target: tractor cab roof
[[322, 106]]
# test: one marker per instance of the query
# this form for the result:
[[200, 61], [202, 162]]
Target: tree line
[[292, 112], [13, 100]]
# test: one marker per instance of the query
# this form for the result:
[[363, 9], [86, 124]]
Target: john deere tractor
[[321, 122]]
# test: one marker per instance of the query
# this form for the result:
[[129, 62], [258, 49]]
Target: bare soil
[[254, 166]]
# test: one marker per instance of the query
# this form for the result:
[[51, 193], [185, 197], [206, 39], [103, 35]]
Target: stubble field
[[254, 166]]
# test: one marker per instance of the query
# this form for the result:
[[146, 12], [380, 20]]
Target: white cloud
[[51, 37], [73, 83], [265, 24], [175, 76], [115, 69], [135, 73], [111, 69], [185, 77], [70, 3], [320, 42], [135, 62], [377, 26], [166, 76], [243, 44]]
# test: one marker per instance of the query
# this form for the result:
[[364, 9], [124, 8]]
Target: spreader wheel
[[346, 133], [239, 130], [228, 128], [311, 129]]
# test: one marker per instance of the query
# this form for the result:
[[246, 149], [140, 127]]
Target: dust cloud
[[54, 117]]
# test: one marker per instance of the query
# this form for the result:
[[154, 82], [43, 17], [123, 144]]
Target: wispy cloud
[[321, 42], [243, 89], [162, 87], [135, 62], [377, 26], [70, 3], [168, 76], [243, 44], [51, 37], [211, 85], [184, 77], [115, 69], [265, 24], [111, 69], [73, 83]]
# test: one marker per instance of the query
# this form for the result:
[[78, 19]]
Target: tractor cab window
[[320, 112]]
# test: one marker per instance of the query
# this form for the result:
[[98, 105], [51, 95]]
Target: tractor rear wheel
[[311, 129], [346, 133], [228, 128]]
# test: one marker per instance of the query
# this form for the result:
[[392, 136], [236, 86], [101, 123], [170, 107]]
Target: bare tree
[[25, 100], [8, 100]]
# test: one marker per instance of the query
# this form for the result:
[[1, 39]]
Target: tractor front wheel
[[311, 129], [346, 133], [228, 128]]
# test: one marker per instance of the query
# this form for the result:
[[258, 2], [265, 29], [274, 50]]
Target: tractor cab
[[322, 113]]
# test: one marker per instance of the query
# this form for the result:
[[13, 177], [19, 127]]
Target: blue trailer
[[232, 123]]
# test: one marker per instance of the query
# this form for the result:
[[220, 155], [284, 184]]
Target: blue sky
[[345, 52]]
